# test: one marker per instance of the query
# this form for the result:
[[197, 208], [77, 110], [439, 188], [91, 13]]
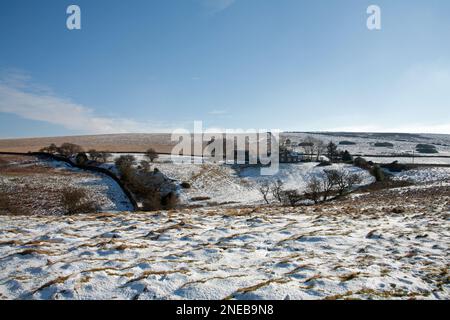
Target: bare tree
[[291, 197], [332, 151], [94, 155], [50, 149], [276, 189], [151, 154], [69, 149], [105, 155], [264, 188], [319, 148], [332, 182], [308, 146], [347, 181], [125, 166], [313, 147], [314, 189]]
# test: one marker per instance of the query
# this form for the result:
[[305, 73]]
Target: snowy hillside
[[360, 248], [36, 186], [225, 184]]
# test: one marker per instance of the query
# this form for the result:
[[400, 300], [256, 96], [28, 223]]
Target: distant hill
[[110, 142]]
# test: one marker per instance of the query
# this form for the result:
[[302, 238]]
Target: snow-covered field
[[363, 248], [410, 160], [364, 144], [424, 175]]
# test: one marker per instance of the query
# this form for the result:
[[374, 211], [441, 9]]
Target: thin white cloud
[[20, 97]]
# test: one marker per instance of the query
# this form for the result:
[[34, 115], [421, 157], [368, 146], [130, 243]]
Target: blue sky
[[156, 65]]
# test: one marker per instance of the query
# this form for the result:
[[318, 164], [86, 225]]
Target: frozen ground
[[392, 244]]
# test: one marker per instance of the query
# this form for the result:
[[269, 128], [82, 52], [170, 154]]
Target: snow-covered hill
[[392, 245], [35, 186], [225, 184]]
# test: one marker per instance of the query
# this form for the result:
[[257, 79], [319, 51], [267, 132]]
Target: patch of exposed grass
[[349, 276], [55, 281], [148, 273], [210, 279], [256, 287], [35, 251]]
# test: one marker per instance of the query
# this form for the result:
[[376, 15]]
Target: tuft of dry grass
[[349, 276], [148, 273], [76, 201], [256, 287], [57, 280], [35, 251]]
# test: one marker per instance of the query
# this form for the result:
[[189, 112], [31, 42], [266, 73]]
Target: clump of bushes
[[377, 172], [151, 154], [346, 157], [169, 200], [99, 156], [74, 201], [332, 151], [185, 185], [66, 149], [146, 186], [52, 148], [125, 162], [144, 165], [374, 169], [200, 198], [347, 143], [81, 159], [426, 148], [361, 163], [396, 167], [70, 149], [291, 197], [384, 144]]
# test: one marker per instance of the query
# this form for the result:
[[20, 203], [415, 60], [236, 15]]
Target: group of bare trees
[[314, 148], [331, 183], [275, 188], [319, 188], [66, 149], [70, 149], [99, 156], [144, 185]]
